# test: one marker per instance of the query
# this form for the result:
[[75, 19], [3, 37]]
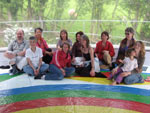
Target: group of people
[[36, 59]]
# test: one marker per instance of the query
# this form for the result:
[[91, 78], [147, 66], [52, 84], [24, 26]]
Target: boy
[[34, 58]]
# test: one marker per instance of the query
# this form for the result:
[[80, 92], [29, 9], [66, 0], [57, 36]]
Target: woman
[[127, 42], [87, 70], [63, 38], [41, 43], [76, 49], [104, 49], [60, 66], [134, 76]]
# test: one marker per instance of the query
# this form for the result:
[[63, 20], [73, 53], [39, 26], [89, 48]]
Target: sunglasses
[[126, 33]]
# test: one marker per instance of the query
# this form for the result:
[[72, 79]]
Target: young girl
[[129, 63]]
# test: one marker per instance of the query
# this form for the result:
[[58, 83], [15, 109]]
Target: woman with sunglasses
[[126, 43]]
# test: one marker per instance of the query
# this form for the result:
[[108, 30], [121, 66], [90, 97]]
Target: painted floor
[[23, 94]]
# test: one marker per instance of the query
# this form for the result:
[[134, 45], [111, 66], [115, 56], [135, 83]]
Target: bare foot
[[114, 83]]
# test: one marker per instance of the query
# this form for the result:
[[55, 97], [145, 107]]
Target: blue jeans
[[28, 69], [56, 74], [133, 78]]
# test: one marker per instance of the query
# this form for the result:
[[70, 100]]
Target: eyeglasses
[[126, 33]]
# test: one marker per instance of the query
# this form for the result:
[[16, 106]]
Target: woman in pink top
[[41, 43]]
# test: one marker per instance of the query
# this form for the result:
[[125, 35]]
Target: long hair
[[85, 37], [65, 31], [142, 51], [66, 43]]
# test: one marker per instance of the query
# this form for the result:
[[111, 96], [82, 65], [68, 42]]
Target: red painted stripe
[[114, 103]]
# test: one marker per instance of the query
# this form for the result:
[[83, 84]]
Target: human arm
[[58, 46], [111, 50], [92, 72], [140, 61], [39, 66], [31, 65], [9, 53], [73, 51]]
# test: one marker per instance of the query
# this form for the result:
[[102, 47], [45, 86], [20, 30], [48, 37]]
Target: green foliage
[[124, 10]]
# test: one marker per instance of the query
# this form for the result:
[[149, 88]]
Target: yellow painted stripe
[[101, 80], [76, 109]]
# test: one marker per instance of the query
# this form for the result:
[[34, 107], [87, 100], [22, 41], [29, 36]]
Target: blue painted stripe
[[4, 74], [32, 89]]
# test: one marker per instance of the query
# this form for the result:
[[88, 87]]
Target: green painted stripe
[[7, 77], [74, 93], [145, 75]]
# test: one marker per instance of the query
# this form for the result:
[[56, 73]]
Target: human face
[[137, 46], [20, 35], [133, 53], [65, 48], [63, 35], [129, 35], [104, 38], [32, 43], [38, 34], [78, 37], [83, 42]]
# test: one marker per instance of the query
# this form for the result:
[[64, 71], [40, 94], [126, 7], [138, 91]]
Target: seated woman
[[63, 38], [76, 49], [134, 76], [60, 66], [41, 43], [87, 70], [129, 63], [127, 42], [104, 49]]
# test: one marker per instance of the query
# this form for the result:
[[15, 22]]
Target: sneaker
[[38, 76], [43, 77], [11, 72], [29, 75], [14, 69], [5, 67]]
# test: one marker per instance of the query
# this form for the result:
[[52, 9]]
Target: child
[[34, 58], [129, 62]]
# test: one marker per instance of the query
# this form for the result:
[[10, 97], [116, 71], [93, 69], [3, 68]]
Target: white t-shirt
[[129, 64], [34, 56]]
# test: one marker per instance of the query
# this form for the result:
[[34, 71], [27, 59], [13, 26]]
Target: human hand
[[121, 61], [105, 51], [92, 73], [114, 70], [124, 74], [35, 72], [10, 55], [63, 72]]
